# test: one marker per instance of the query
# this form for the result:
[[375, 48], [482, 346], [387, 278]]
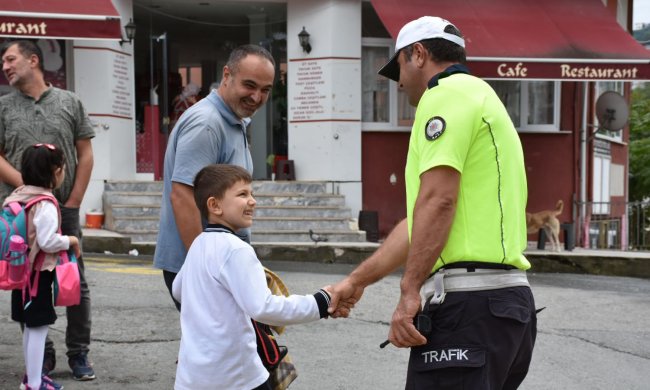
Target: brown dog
[[548, 221]]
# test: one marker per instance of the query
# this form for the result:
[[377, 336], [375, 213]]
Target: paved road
[[593, 335]]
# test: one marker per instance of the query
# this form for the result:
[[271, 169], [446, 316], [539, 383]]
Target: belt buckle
[[439, 288]]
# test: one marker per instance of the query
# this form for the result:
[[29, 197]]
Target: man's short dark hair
[[237, 55], [214, 180], [26, 48], [440, 49]]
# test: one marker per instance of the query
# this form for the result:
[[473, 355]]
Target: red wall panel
[[550, 173], [547, 157], [382, 155]]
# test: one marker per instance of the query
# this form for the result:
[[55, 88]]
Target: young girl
[[42, 170]]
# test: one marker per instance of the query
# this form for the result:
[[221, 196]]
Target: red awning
[[59, 19], [527, 39]]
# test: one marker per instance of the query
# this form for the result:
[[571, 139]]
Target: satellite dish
[[612, 111]]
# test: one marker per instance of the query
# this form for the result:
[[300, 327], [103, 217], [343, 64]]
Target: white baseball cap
[[426, 27]]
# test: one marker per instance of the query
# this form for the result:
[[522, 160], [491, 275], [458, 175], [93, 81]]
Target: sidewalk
[[579, 261]]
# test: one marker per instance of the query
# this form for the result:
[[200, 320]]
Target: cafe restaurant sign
[[21, 27], [24, 29], [633, 70]]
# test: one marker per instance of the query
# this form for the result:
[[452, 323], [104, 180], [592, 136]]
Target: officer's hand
[[402, 331], [344, 295]]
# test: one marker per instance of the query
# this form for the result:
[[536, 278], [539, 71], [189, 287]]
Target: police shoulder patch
[[434, 128]]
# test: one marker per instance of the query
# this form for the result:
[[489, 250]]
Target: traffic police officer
[[463, 239]]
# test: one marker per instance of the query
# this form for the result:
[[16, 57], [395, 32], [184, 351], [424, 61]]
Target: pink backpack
[[15, 272]]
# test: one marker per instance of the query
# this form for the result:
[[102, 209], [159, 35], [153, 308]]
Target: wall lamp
[[304, 40], [129, 29]]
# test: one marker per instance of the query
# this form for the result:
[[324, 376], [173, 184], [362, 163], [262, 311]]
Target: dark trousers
[[169, 280], [77, 332], [478, 340]]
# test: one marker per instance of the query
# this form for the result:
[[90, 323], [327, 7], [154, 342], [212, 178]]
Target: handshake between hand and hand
[[344, 295], [403, 332]]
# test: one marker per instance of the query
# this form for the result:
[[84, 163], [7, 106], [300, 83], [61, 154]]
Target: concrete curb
[[109, 246], [594, 264]]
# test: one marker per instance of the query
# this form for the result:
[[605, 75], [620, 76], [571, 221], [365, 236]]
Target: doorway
[[199, 38]]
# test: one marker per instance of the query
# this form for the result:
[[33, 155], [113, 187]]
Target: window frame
[[523, 103], [186, 74], [601, 178], [392, 124]]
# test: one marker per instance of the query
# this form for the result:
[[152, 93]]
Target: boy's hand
[[74, 245], [337, 309], [344, 296]]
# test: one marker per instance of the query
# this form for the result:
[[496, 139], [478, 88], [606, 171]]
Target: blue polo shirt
[[207, 133]]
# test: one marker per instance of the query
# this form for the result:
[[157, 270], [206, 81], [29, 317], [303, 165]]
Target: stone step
[[135, 204], [302, 223], [303, 236], [258, 186], [132, 210], [267, 236], [122, 224], [281, 187], [132, 198], [296, 199], [133, 186], [302, 211], [141, 236], [150, 210], [263, 199]]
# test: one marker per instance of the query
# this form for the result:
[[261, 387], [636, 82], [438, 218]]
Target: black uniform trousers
[[478, 340]]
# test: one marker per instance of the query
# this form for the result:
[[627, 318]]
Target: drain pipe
[[583, 167]]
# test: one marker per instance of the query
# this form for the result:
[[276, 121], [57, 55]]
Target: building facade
[[83, 52], [340, 122]]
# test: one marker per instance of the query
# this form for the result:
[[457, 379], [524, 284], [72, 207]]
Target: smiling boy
[[222, 286]]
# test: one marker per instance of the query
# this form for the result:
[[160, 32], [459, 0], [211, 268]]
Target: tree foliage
[[640, 143], [642, 34]]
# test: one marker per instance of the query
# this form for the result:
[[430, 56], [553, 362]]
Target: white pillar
[[324, 94], [104, 80]]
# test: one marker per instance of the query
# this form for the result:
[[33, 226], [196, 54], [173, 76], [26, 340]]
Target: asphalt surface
[[593, 333]]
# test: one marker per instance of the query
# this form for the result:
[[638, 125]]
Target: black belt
[[471, 266]]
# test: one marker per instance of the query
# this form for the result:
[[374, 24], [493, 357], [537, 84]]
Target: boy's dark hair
[[239, 53], [39, 163], [26, 48], [440, 49], [213, 181]]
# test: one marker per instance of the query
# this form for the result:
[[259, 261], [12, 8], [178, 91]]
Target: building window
[[601, 193], [600, 88], [532, 105], [405, 111], [383, 106], [376, 104], [190, 74]]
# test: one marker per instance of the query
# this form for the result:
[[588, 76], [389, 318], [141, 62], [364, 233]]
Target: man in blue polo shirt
[[212, 131]]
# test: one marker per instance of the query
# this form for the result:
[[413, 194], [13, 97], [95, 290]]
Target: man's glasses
[[49, 146]]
